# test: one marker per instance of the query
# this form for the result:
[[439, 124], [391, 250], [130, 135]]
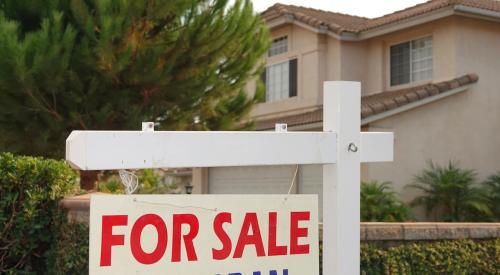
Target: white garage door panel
[[311, 182], [267, 180], [250, 179]]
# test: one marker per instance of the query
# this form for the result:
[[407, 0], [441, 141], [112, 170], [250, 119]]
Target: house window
[[411, 61], [278, 46], [281, 80]]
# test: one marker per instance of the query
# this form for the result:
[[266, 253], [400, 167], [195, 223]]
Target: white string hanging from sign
[[293, 182], [293, 179], [129, 180], [177, 205]]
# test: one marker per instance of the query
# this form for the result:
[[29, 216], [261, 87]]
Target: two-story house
[[429, 73]]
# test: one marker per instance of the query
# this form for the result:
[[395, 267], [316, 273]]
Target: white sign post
[[339, 148]]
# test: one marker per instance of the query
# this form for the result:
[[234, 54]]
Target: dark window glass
[[400, 64], [293, 78]]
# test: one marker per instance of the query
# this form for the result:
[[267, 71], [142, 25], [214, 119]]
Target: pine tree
[[110, 64]]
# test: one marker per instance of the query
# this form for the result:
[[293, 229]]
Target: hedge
[[452, 257], [30, 217], [440, 257], [70, 252]]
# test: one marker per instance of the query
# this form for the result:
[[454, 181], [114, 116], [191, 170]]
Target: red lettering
[[194, 227], [225, 251], [135, 239], [297, 232], [245, 238], [273, 249], [108, 239]]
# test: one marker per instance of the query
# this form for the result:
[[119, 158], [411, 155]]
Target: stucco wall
[[464, 127], [368, 61]]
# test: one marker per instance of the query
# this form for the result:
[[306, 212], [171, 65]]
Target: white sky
[[366, 8]]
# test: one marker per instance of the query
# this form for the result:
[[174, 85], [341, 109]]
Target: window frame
[[411, 81], [286, 36], [292, 89]]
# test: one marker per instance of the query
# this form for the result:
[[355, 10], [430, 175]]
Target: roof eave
[[358, 36], [406, 23], [289, 19], [413, 105], [392, 27], [477, 13], [279, 20]]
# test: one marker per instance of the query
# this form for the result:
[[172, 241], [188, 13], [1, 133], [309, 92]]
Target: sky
[[366, 8]]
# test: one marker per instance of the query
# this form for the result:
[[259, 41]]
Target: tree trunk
[[88, 180]]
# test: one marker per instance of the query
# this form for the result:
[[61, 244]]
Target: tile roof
[[377, 103], [334, 21], [338, 22]]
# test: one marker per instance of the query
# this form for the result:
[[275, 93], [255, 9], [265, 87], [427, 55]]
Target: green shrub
[[111, 185], [493, 192], [29, 214], [70, 251], [451, 194], [380, 204], [442, 257], [150, 182]]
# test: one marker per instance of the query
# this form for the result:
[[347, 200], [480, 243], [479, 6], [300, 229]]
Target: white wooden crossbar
[[110, 150]]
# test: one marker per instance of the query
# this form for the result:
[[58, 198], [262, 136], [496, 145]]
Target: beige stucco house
[[429, 73]]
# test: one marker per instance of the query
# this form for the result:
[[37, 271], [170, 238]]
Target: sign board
[[204, 234]]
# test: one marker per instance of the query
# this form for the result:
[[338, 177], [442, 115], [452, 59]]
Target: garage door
[[266, 180], [250, 179], [311, 182]]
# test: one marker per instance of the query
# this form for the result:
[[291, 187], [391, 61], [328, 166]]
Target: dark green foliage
[[493, 193], [151, 182], [70, 251], [450, 193], [107, 64], [380, 204], [111, 185], [29, 192], [443, 257]]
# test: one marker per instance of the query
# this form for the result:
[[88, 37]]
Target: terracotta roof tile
[[422, 93], [442, 87], [454, 84], [401, 100], [334, 21], [412, 97], [338, 22], [433, 90], [367, 110], [377, 103], [390, 104]]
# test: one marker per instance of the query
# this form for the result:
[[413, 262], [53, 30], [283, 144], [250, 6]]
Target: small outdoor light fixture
[[189, 189]]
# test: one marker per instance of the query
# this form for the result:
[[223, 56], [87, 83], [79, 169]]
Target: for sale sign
[[204, 234]]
